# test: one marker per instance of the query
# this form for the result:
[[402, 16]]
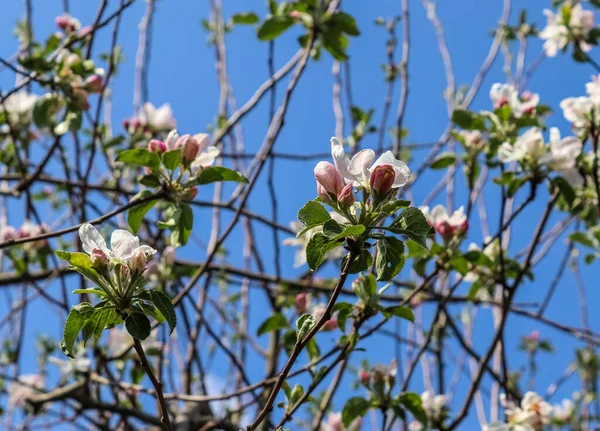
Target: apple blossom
[[435, 406], [564, 151], [358, 170], [24, 387], [473, 140], [529, 147], [533, 411], [189, 148], [67, 23], [94, 84], [507, 94], [301, 302], [382, 180], [577, 111], [448, 226], [557, 32], [8, 233], [158, 119], [329, 178], [563, 413], [156, 146], [207, 153], [19, 106], [318, 311], [346, 197], [125, 247]]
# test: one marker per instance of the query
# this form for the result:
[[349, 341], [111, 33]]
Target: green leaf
[[390, 258], [335, 231], [335, 43], [412, 223], [272, 323], [245, 18], [172, 159], [150, 181], [139, 157], [136, 214], [443, 160], [97, 322], [75, 321], [582, 238], [312, 214], [468, 120], [390, 208], [273, 27], [317, 249], [412, 402], [304, 324], [90, 291], [212, 174], [43, 110], [312, 348], [399, 311], [460, 264], [361, 263], [81, 263], [354, 407], [566, 190], [345, 23], [163, 303], [138, 325]]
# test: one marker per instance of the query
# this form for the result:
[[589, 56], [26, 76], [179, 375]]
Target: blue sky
[[182, 73]]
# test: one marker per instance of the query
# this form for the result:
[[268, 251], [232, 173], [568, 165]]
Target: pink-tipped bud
[[331, 324], [99, 258], [294, 14], [189, 148], [172, 140], [301, 302], [138, 260], [365, 377], [382, 180], [328, 176], [94, 83], [535, 335], [156, 146], [501, 102], [526, 96], [346, 196], [126, 123], [322, 193], [81, 99], [192, 192], [136, 123], [62, 22]]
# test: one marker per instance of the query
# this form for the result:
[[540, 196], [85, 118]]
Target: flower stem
[[156, 383]]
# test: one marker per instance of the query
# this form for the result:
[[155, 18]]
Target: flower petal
[[91, 239]]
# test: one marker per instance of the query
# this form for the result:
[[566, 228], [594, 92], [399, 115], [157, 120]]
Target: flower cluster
[[506, 94], [533, 414], [571, 24], [448, 226], [436, 410], [151, 120]]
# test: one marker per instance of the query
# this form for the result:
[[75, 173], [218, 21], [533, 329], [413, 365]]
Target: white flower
[[439, 214], [358, 169], [556, 32], [529, 146], [68, 368], [24, 387], [593, 89], [334, 423], [474, 139], [507, 94], [532, 414], [157, 118], [564, 151], [302, 241], [124, 245], [576, 110], [434, 405], [19, 106], [563, 412], [206, 154]]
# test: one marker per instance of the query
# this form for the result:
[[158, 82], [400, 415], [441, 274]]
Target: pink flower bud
[[156, 146], [301, 302], [192, 193], [126, 123], [93, 84], [99, 258], [294, 14], [172, 140], [322, 193], [138, 260], [535, 335], [136, 123], [346, 196], [501, 102], [526, 96], [331, 324], [189, 148], [328, 176], [382, 180], [62, 22], [365, 377]]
